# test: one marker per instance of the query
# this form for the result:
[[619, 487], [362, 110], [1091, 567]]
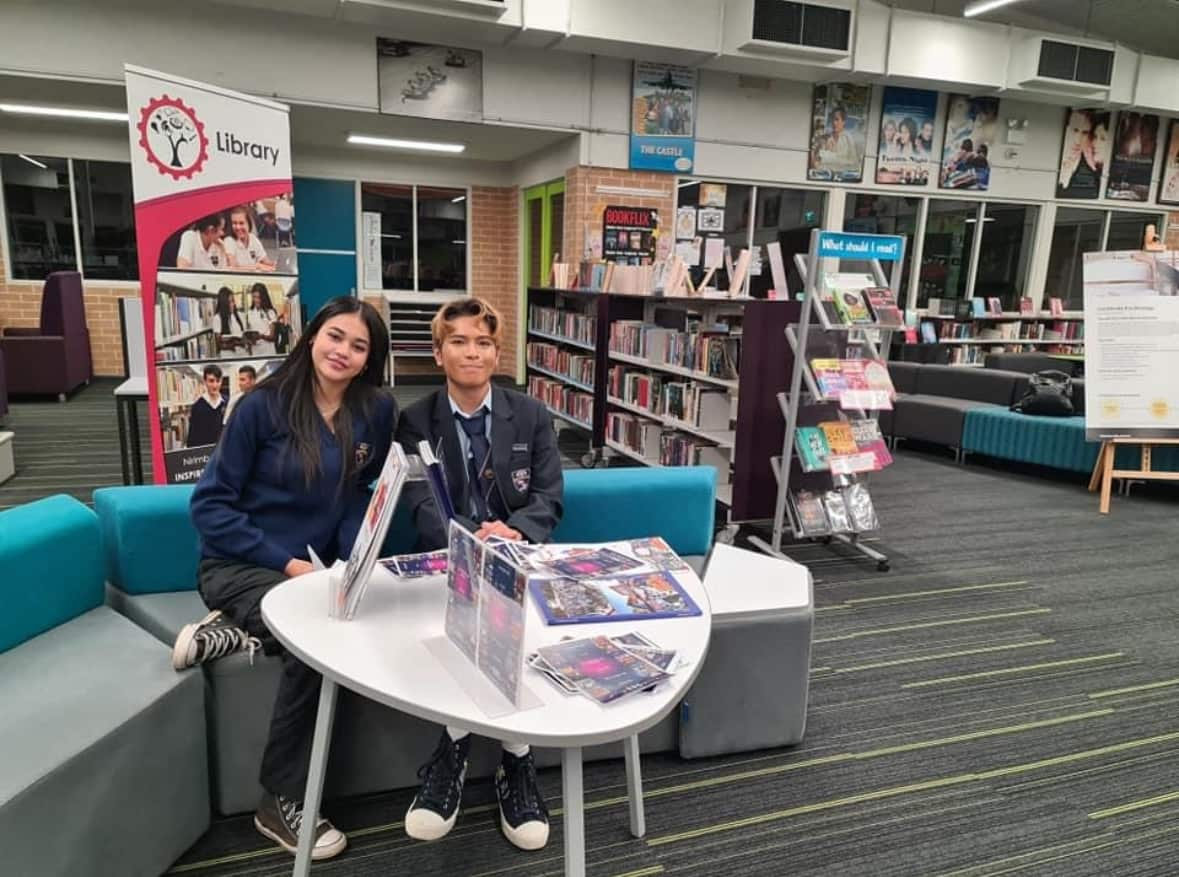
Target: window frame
[[414, 294]]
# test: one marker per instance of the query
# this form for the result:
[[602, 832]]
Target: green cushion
[[675, 502], [51, 557], [151, 545]]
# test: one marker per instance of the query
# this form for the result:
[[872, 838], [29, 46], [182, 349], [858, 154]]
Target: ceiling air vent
[[1055, 66], [800, 28]]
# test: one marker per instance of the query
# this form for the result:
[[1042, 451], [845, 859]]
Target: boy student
[[208, 411], [247, 378], [499, 452], [291, 472]]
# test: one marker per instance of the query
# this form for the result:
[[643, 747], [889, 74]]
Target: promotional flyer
[[629, 234], [1084, 153], [1131, 345], [1133, 157], [663, 118], [905, 152], [215, 222], [839, 129], [972, 125]]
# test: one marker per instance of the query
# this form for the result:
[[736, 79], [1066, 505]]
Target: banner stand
[[1104, 472]]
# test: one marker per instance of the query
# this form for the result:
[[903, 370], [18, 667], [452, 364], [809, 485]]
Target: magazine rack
[[869, 338]]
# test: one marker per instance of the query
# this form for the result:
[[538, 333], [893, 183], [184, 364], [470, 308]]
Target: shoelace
[[522, 784], [223, 641], [292, 813], [432, 778]]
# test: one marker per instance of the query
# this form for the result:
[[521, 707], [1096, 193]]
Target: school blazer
[[527, 488]]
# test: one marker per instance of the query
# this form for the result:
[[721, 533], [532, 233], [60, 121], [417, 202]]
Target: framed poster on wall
[[663, 118], [1084, 153], [1169, 173], [972, 124], [839, 129], [629, 235], [1134, 145], [906, 136]]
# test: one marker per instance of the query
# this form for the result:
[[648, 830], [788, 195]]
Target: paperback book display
[[855, 299], [842, 447], [347, 589], [845, 509], [602, 668], [862, 384]]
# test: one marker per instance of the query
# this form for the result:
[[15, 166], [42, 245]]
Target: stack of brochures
[[604, 669]]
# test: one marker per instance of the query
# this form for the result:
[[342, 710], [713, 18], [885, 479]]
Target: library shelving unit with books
[[838, 383], [186, 323], [675, 381], [967, 330]]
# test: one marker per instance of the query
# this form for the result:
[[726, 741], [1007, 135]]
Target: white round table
[[382, 654]]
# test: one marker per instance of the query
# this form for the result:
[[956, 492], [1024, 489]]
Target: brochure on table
[[1131, 345]]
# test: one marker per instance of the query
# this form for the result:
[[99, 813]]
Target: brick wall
[[584, 206], [20, 306]]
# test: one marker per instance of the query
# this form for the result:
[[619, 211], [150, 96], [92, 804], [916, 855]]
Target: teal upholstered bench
[[152, 553], [1058, 442], [103, 765]]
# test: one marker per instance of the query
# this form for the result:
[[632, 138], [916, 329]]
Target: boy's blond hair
[[442, 326]]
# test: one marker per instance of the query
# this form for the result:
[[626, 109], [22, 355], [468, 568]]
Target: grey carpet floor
[[1004, 701]]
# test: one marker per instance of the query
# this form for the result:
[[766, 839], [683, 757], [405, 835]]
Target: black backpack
[[1049, 393]]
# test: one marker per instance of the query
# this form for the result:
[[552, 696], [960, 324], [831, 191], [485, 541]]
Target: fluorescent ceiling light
[[63, 112], [458, 199], [39, 164], [982, 6], [394, 143]]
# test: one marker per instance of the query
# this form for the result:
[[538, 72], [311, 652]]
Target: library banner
[[215, 224], [1131, 345]]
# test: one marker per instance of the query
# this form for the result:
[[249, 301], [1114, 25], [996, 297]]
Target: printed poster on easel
[[215, 225], [629, 235], [1131, 345]]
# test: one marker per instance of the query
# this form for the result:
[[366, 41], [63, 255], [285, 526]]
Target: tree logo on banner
[[173, 137]]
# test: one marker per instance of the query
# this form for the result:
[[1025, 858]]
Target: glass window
[[945, 257], [40, 215], [867, 213], [395, 204], [1075, 232], [722, 213], [1127, 230], [442, 240], [1005, 253], [106, 220], [786, 216]]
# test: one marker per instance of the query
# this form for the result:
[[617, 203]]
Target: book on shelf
[[854, 383], [847, 509], [995, 306], [1055, 307], [851, 307], [868, 439], [928, 332], [883, 303], [838, 435], [1026, 308], [571, 324], [808, 508], [978, 307], [561, 397], [811, 445]]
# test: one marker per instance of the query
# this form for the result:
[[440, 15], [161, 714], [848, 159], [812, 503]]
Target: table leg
[[1107, 465], [121, 417], [319, 756], [634, 786], [572, 796], [136, 453]]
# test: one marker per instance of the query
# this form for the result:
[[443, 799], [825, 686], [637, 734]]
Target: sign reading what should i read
[[845, 245]]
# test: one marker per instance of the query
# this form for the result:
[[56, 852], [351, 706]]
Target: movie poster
[[434, 82], [215, 221], [1133, 157], [972, 125], [663, 118], [906, 136], [1084, 153], [1169, 174], [839, 129]]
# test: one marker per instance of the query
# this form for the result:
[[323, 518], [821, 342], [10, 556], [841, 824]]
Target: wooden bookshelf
[[755, 430]]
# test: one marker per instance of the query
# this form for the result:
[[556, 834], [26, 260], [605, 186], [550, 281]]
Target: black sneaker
[[436, 805], [281, 818], [522, 813], [214, 636]]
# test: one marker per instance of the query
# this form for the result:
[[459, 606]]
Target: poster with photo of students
[[1084, 154], [256, 237], [972, 125], [839, 130], [1134, 145], [905, 151]]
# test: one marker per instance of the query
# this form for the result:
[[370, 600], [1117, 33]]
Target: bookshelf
[[663, 393], [186, 323], [969, 337]]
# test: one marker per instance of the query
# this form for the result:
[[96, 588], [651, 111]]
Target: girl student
[[260, 319], [290, 471]]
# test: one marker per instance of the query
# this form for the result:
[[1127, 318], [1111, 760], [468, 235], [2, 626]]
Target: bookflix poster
[[629, 235], [663, 118], [215, 224], [1135, 141], [839, 128]]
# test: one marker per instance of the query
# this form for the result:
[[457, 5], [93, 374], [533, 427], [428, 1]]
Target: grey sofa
[[102, 747], [1029, 363]]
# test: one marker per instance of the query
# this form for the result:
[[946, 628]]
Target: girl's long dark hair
[[292, 388], [263, 297]]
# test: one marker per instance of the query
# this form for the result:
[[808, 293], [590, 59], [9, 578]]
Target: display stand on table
[[869, 338]]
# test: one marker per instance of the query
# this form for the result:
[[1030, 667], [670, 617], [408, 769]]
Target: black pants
[[237, 590]]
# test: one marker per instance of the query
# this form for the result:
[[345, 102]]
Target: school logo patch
[[521, 479], [363, 451]]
